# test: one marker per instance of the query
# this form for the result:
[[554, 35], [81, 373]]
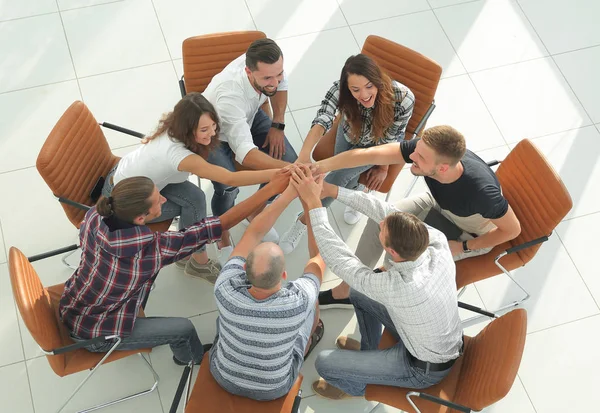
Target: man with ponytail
[[121, 258]]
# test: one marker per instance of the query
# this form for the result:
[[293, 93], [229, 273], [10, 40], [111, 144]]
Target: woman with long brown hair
[[178, 148], [364, 108]]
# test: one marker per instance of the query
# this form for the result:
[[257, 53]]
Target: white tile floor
[[512, 69]]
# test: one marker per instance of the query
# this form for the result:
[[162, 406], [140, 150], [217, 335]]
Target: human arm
[[247, 207], [366, 204], [262, 223], [275, 139], [507, 228], [196, 165], [315, 264], [387, 154], [323, 122]]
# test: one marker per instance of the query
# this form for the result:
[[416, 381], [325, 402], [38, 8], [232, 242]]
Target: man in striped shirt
[[265, 330]]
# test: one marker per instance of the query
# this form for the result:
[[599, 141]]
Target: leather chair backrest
[[535, 192], [205, 56], [491, 361], [73, 157], [34, 306], [414, 70]]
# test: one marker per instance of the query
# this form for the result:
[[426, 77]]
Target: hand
[[276, 142], [456, 247], [375, 177], [281, 179], [309, 188]]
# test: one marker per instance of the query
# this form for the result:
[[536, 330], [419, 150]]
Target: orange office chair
[[419, 73]]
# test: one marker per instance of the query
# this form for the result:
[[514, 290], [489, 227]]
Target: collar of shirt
[[113, 223], [406, 268]]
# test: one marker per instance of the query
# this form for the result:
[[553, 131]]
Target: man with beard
[[248, 135], [464, 201]]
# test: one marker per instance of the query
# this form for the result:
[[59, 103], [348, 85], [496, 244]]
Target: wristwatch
[[465, 247], [277, 125]]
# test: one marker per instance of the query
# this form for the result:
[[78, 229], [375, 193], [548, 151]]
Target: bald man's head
[[265, 265]]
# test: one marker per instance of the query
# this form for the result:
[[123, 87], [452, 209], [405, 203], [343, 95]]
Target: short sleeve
[[407, 148], [309, 284], [176, 153], [493, 205]]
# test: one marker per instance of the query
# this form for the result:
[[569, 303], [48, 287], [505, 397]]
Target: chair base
[[65, 261], [113, 402]]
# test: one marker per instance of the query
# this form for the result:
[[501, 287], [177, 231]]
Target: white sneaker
[[351, 216], [224, 254], [291, 238], [271, 236]]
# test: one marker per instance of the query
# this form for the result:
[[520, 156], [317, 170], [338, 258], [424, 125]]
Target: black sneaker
[[326, 301], [206, 348]]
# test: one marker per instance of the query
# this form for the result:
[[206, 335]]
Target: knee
[[323, 362]]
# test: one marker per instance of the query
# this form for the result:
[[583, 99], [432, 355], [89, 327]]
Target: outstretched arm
[[196, 165], [247, 207], [262, 223], [315, 264], [387, 154]]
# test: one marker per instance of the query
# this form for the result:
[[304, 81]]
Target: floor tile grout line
[[577, 269], [3, 243], [62, 23], [127, 68], [6, 92], [391, 17], [575, 50], [29, 17], [164, 39], [251, 15], [527, 393], [92, 5], [470, 78], [563, 324], [554, 61], [347, 24]]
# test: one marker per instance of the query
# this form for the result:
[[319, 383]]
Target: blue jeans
[[351, 371], [225, 195], [148, 332], [346, 178], [184, 200]]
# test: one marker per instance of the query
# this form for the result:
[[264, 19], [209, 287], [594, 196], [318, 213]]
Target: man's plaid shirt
[[403, 108], [117, 269]]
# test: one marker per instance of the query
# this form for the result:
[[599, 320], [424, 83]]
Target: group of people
[[267, 327]]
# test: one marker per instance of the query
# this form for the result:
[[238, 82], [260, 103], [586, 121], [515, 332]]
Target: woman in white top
[[178, 148], [372, 109]]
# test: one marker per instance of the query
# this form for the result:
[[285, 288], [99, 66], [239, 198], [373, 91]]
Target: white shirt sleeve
[[283, 85], [234, 124], [176, 153]]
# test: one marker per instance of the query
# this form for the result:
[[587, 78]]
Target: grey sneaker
[[181, 264], [207, 272]]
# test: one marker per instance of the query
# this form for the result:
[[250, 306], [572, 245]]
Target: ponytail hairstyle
[[383, 111], [181, 124], [129, 199]]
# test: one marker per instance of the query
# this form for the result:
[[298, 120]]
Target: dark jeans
[[225, 195], [351, 371], [148, 332]]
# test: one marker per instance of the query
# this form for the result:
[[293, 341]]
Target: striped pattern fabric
[[256, 338]]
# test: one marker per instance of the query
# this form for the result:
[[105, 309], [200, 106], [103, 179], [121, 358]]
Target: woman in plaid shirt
[[364, 108], [120, 260]]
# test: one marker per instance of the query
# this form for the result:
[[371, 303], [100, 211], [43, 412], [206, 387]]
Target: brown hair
[[262, 50], [129, 199], [383, 111], [181, 124], [448, 143], [407, 235]]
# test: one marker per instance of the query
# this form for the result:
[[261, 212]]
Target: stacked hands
[[304, 181]]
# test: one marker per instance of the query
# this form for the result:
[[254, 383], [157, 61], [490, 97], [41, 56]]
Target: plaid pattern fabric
[[403, 108], [117, 269], [420, 295]]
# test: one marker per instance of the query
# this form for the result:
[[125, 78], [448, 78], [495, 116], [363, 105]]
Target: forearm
[[366, 204], [315, 133], [257, 160], [490, 239], [266, 219], [376, 155], [247, 207], [243, 178], [279, 103]]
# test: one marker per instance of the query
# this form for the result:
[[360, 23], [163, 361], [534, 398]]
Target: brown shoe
[[326, 390], [347, 343]]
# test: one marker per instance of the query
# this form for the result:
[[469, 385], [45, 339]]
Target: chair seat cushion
[[209, 397], [396, 396], [78, 360]]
